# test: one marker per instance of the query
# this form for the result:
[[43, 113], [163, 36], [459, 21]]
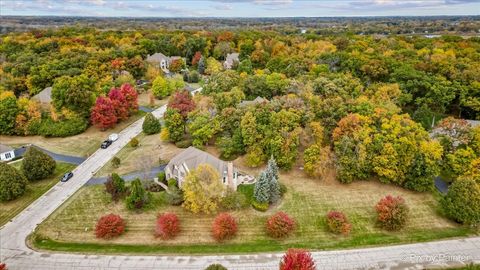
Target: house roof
[[473, 123], [45, 96], [232, 57], [193, 157], [157, 57], [257, 100], [5, 148]]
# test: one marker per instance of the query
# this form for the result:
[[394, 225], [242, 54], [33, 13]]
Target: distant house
[[6, 153], [179, 167], [193, 91], [44, 97], [161, 61], [231, 60], [257, 100]]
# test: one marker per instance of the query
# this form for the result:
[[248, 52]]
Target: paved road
[[58, 157], [17, 255], [129, 177]]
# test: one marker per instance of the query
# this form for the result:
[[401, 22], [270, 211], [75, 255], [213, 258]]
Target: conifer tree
[[261, 192], [272, 176]]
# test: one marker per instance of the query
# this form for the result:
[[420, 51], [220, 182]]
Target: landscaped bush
[[184, 143], [172, 182], [462, 202], [3, 266], [260, 206], [37, 165], [392, 212], [115, 162], [162, 178], [234, 200], [63, 128], [138, 196], [151, 125], [338, 223], [224, 227], [109, 226], [297, 259], [133, 142], [115, 186], [216, 266], [174, 196], [168, 226], [280, 225], [153, 187], [12, 182]]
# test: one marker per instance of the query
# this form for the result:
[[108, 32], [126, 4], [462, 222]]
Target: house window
[[8, 155]]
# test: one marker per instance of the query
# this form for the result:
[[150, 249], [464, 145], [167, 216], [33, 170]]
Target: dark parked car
[[106, 144], [66, 176]]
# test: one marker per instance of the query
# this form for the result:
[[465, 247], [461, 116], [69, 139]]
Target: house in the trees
[[257, 100], [231, 60], [6, 153], [179, 167], [44, 97], [161, 61]]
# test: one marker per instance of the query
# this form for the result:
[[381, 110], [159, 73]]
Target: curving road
[[14, 251]]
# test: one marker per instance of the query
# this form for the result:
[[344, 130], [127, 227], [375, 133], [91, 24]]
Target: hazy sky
[[239, 8]]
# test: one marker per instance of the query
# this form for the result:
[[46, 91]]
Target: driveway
[[14, 251], [130, 176], [58, 157]]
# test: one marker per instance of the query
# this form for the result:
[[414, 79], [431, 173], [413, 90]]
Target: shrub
[[216, 266], [161, 177], [280, 225], [174, 196], [151, 125], [224, 227], [153, 187], [184, 143], [133, 142], [12, 182], [115, 186], [63, 128], [260, 206], [115, 162], [109, 226], [3, 266], [172, 182], [168, 226], [462, 202], [138, 196], [283, 189], [392, 212], [37, 165], [338, 223], [234, 200], [297, 259]]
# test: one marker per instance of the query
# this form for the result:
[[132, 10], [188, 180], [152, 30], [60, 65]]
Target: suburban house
[[161, 61], [193, 91], [190, 158], [231, 60], [257, 100], [44, 97], [6, 153]]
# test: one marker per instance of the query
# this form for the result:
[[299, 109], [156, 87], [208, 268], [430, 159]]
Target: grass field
[[82, 145], [71, 227], [10, 209]]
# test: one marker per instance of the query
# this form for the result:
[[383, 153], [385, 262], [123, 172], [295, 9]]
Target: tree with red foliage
[[109, 226], [224, 227], [168, 226], [131, 96], [338, 223], [280, 225], [182, 101], [3, 266], [118, 63], [297, 259], [119, 103], [196, 58], [392, 212], [103, 114]]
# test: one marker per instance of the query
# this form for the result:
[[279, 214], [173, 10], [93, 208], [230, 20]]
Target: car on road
[[66, 176], [111, 138]]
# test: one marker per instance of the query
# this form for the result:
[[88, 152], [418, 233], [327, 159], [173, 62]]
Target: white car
[[113, 137]]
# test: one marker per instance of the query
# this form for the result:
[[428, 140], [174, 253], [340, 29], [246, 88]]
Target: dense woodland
[[363, 103]]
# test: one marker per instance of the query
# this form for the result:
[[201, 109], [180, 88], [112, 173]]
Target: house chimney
[[230, 180]]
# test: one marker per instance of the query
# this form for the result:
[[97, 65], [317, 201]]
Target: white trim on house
[[6, 153]]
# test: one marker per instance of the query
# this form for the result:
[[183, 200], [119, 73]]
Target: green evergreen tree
[[37, 165], [12, 182], [201, 66], [138, 196], [272, 175], [151, 125], [261, 192]]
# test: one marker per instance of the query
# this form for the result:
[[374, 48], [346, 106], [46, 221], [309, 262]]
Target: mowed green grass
[[71, 227], [35, 189]]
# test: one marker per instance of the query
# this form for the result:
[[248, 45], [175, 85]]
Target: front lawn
[[71, 227], [35, 189]]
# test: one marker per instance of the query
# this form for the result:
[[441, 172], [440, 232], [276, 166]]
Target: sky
[[239, 8]]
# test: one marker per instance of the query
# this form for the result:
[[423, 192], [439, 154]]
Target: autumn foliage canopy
[[168, 226], [297, 259], [392, 212], [109, 226], [280, 225], [224, 227]]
